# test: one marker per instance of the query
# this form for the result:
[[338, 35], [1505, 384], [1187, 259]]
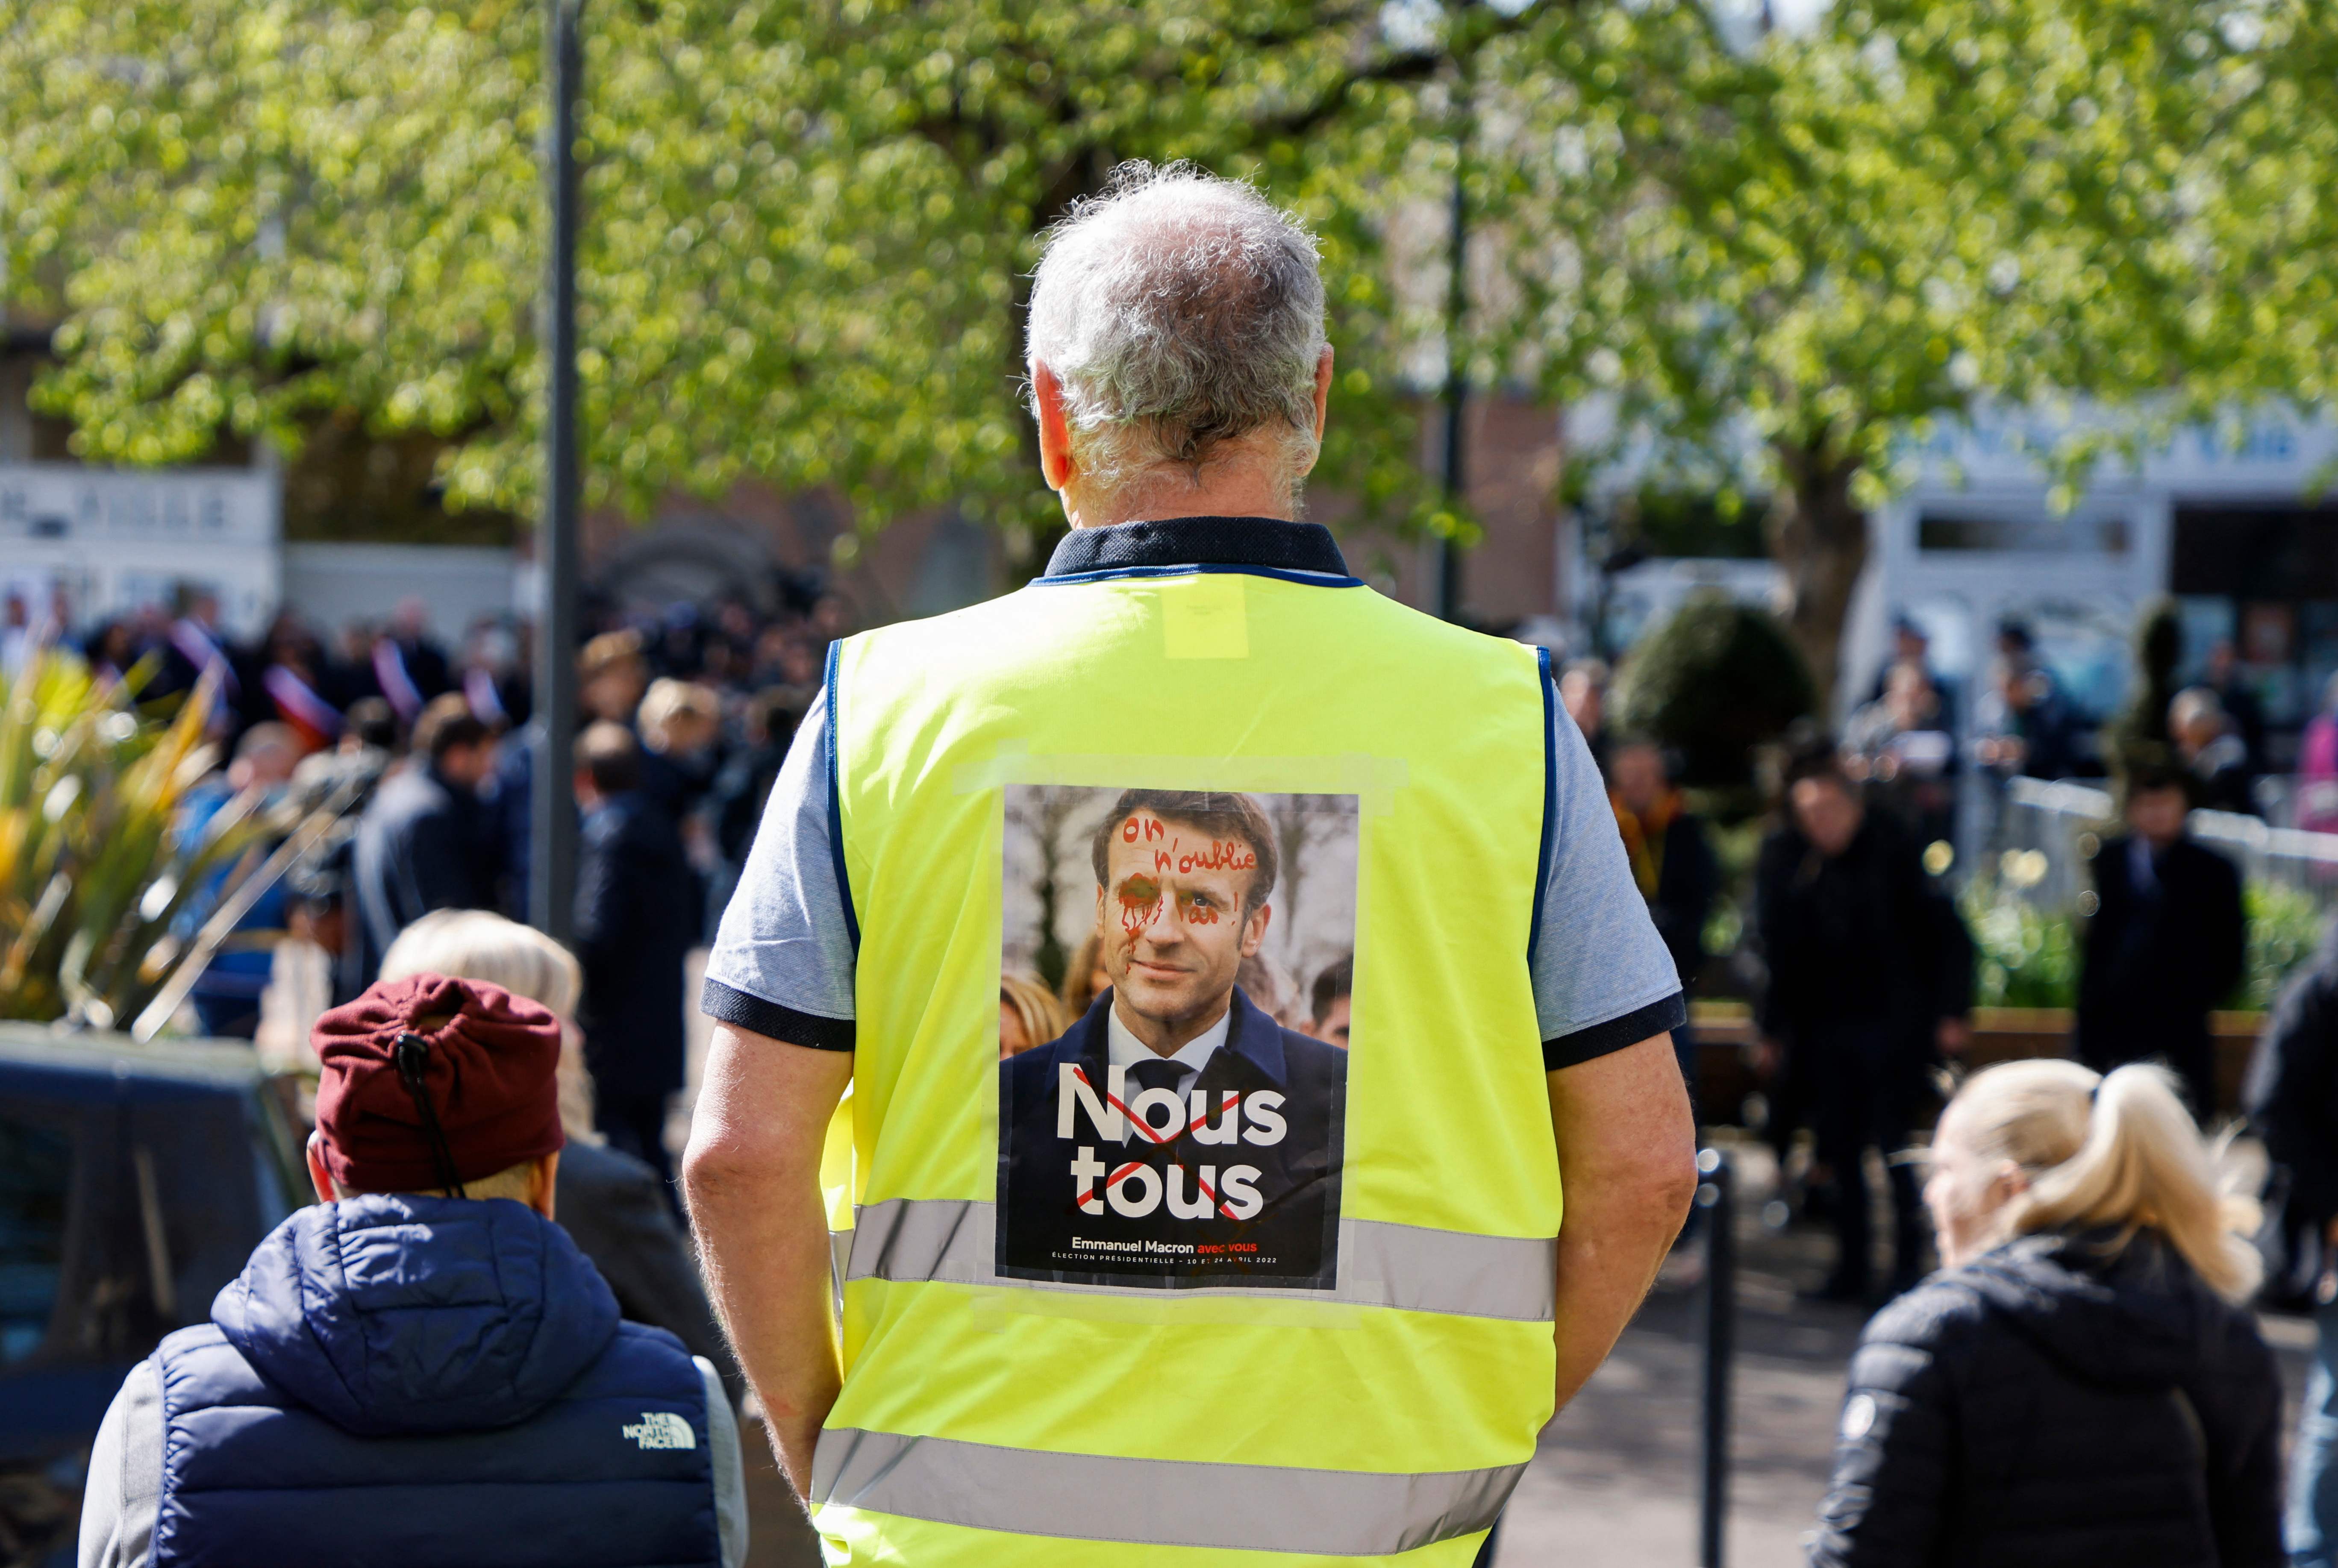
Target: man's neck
[[1234, 488], [1167, 1036]]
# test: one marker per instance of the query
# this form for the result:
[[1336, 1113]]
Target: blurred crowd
[[1856, 956], [405, 771]]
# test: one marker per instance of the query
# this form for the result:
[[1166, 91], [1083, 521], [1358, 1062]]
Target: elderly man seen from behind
[[1345, 1299]]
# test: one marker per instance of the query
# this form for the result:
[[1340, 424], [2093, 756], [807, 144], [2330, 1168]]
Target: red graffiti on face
[[1140, 904], [1222, 855]]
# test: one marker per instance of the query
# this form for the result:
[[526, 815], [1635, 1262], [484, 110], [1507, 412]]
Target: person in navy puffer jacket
[[421, 1369], [2080, 1387]]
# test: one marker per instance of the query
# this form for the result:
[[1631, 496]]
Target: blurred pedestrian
[[1900, 745], [637, 912], [492, 679], [409, 666], [2163, 944], [1871, 977], [611, 1203], [1672, 864], [1583, 691], [680, 724], [1672, 858], [2082, 1386], [610, 676], [291, 687], [2026, 729], [2212, 751], [1332, 1002], [421, 1369], [226, 995], [735, 803], [424, 843], [349, 677], [1911, 649], [193, 644], [2292, 1102], [1029, 1014], [2317, 766], [1084, 977], [2239, 700]]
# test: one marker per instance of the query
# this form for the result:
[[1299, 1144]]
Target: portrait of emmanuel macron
[[1228, 1167]]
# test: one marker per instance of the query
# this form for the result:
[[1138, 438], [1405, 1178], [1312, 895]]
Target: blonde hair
[[481, 944], [2109, 1151], [668, 700], [1042, 1014]]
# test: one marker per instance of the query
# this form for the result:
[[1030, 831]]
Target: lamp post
[[552, 865], [1457, 386]]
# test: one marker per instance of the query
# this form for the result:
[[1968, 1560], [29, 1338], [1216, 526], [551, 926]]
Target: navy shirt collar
[[1266, 542]]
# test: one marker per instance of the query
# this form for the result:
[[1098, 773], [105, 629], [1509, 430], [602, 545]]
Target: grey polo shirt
[[782, 964]]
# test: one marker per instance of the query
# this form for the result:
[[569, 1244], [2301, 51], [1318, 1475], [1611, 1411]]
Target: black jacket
[[424, 844], [1863, 939], [1290, 1239], [1685, 881], [637, 916], [2045, 1407], [2156, 959], [2292, 1101], [614, 1207]]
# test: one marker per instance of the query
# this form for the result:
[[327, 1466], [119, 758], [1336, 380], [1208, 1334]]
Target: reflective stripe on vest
[[1408, 1267], [1155, 1502]]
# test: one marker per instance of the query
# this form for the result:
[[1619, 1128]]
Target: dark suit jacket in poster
[[1291, 1241]]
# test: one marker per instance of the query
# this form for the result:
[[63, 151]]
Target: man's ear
[[319, 1177], [544, 1183], [1322, 390], [1255, 930], [1055, 465]]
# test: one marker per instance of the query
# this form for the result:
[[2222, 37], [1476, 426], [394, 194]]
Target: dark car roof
[[74, 1065]]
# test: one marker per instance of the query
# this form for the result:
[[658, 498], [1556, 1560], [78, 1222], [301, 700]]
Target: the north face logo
[[661, 1429]]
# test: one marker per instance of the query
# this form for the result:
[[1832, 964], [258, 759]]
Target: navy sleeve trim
[[836, 808], [1600, 1039], [728, 1005], [1549, 796]]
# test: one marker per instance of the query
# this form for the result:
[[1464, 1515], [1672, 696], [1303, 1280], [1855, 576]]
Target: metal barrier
[[2054, 827], [1716, 1197]]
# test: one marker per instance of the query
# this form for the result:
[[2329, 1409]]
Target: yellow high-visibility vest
[[1381, 1413]]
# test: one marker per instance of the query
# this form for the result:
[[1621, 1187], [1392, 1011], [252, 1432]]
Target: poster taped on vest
[[1173, 1000]]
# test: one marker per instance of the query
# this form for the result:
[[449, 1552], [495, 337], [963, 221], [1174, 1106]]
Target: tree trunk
[[1818, 537]]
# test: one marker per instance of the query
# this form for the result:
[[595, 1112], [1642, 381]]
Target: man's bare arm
[[752, 1174], [1627, 1157]]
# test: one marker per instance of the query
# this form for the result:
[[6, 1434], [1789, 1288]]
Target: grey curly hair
[[1179, 311]]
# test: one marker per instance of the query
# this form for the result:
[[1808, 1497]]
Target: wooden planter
[[1724, 1037]]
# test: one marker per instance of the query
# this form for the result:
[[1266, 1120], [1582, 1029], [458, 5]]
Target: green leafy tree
[[1784, 257], [1715, 680], [809, 222]]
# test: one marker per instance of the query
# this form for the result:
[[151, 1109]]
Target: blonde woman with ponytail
[[2080, 1384]]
